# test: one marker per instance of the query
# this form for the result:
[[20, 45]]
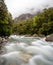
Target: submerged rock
[[49, 38]]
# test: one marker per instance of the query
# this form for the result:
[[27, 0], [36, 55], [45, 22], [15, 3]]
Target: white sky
[[17, 7]]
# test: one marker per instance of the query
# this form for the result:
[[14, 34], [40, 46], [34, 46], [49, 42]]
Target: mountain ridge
[[24, 17]]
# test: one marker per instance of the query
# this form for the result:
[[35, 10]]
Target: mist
[[18, 7]]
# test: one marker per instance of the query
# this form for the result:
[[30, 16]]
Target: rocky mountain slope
[[24, 17]]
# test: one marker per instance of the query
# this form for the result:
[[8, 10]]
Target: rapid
[[21, 50]]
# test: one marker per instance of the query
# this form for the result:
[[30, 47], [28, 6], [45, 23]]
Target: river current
[[20, 50]]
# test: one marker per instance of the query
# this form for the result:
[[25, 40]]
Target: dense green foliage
[[42, 23], [5, 20]]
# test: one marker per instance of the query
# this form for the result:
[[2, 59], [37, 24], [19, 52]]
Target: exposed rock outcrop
[[24, 17]]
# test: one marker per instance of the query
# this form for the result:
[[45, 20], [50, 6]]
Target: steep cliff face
[[24, 17]]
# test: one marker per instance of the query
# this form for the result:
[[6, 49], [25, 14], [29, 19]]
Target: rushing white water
[[22, 50]]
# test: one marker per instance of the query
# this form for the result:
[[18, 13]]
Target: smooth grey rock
[[49, 38]]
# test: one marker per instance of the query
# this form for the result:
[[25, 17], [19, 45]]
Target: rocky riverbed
[[21, 50], [3, 40]]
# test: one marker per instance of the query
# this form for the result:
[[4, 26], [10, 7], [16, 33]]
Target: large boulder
[[49, 38]]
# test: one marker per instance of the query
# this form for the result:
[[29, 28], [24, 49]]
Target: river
[[21, 50]]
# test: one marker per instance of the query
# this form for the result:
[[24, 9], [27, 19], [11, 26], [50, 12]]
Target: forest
[[41, 23]]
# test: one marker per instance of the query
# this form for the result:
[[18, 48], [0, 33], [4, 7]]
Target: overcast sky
[[17, 7]]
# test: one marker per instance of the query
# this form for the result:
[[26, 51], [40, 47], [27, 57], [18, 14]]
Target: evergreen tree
[[4, 20]]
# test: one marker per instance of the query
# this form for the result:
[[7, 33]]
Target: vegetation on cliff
[[42, 23], [5, 20]]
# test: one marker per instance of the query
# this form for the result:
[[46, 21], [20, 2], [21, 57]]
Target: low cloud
[[17, 7]]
